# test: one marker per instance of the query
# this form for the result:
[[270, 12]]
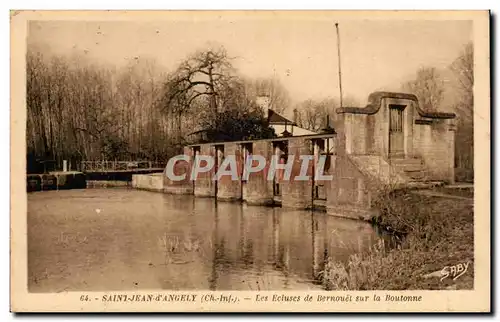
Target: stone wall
[[227, 188], [355, 133], [181, 167], [349, 193], [204, 186], [150, 182], [435, 144], [364, 134], [257, 190], [298, 194]]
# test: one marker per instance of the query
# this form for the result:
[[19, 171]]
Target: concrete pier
[[257, 190], [204, 186], [227, 188], [56, 181], [297, 194], [150, 182], [181, 167]]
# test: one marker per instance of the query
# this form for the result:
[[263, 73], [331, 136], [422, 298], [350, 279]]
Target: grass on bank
[[437, 232]]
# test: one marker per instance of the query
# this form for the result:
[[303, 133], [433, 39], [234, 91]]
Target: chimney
[[328, 129], [263, 103], [295, 115]]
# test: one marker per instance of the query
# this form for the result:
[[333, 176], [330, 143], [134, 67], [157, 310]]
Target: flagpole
[[340, 70]]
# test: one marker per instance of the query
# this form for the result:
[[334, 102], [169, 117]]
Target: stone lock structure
[[390, 143]]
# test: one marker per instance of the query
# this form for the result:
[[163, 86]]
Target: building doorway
[[396, 131]]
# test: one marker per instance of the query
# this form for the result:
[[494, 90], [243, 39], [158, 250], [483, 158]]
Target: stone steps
[[409, 161], [419, 175], [410, 167], [413, 169]]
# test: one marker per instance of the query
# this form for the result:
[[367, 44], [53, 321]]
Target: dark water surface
[[124, 239]]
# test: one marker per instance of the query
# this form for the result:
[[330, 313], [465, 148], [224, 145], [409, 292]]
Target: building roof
[[275, 118]]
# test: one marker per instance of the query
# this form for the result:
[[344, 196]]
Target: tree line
[[432, 88], [77, 110], [80, 110]]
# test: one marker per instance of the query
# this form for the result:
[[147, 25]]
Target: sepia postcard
[[250, 161]]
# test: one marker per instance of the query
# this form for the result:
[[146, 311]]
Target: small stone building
[[390, 143]]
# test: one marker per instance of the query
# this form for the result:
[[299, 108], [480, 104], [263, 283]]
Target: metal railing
[[119, 165]]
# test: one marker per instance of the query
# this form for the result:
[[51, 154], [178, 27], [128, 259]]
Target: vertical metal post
[[340, 69]]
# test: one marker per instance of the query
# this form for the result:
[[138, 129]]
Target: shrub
[[435, 232]]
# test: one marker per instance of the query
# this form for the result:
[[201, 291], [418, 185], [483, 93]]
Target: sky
[[301, 53]]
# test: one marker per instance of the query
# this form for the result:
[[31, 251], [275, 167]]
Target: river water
[[124, 239]]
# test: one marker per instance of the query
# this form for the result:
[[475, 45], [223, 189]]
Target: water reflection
[[143, 240]]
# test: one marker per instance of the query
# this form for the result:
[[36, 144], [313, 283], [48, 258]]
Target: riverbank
[[438, 234]]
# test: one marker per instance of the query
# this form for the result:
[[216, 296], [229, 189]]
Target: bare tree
[[82, 111], [314, 114], [203, 75], [463, 69], [311, 114], [428, 87], [279, 98]]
